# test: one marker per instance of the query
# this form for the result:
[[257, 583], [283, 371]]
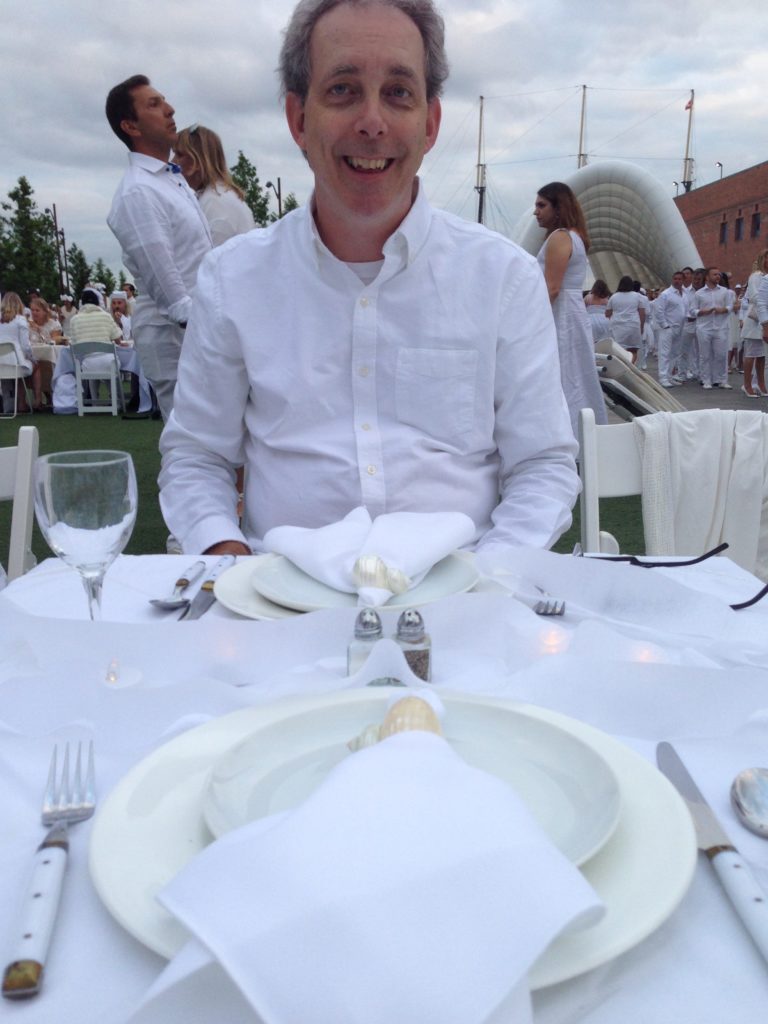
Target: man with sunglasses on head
[[157, 220]]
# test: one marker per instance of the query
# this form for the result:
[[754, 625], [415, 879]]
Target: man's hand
[[228, 547]]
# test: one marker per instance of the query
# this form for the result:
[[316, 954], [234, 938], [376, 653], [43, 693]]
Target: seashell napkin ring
[[372, 571]]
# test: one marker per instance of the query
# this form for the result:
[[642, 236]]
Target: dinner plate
[[151, 825], [568, 787], [280, 581], [233, 589]]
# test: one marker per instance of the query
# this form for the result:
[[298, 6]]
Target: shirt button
[[364, 302], [366, 426], [371, 471], [364, 371]]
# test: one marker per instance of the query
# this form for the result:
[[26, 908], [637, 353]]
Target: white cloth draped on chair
[[705, 481]]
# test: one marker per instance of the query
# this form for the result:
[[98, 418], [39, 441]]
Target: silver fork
[[549, 606], [67, 800]]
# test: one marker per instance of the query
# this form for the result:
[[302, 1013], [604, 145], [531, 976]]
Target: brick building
[[728, 220]]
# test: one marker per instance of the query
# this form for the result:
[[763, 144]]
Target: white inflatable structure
[[634, 227]]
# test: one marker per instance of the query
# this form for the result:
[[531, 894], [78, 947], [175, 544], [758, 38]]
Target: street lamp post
[[718, 164], [677, 187], [279, 193]]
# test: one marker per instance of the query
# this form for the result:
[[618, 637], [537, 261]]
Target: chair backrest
[[9, 361], [81, 349], [16, 483], [609, 467], [98, 370]]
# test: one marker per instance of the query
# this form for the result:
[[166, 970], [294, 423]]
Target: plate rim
[[566, 958], [556, 732], [349, 600]]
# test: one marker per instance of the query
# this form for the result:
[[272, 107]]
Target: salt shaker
[[367, 632], [415, 643]]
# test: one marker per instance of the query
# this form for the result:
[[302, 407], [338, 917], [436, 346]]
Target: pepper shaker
[[367, 632], [415, 643]]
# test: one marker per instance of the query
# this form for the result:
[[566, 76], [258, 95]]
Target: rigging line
[[462, 187], [536, 125], [499, 216], [446, 165], [532, 160], [636, 124], [608, 88], [536, 92], [439, 154]]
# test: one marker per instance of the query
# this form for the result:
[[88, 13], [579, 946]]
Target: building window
[[723, 233], [755, 227], [738, 229]]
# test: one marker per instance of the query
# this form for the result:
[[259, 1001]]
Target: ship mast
[[582, 158], [480, 180], [688, 160]]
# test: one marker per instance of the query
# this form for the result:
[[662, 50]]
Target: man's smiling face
[[366, 123]]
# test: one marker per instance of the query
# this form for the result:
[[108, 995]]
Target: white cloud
[[216, 64]]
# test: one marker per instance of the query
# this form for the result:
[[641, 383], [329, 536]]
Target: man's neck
[[159, 152]]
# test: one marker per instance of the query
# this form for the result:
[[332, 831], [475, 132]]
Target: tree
[[290, 203], [79, 269], [101, 272], [244, 175], [27, 246]]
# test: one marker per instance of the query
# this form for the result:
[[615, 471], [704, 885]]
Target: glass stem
[[93, 590]]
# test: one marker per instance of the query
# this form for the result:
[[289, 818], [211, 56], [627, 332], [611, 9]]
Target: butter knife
[[205, 596], [745, 893]]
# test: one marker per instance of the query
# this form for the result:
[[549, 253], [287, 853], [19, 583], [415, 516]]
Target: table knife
[[24, 974], [205, 596], [745, 893]]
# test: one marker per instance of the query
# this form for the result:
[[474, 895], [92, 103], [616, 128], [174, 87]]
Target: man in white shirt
[[162, 230], [402, 359], [711, 306], [670, 310]]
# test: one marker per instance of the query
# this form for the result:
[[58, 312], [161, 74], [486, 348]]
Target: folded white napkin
[[409, 887], [343, 555]]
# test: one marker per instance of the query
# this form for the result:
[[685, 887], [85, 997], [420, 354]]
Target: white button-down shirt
[[435, 387], [671, 308], [707, 299], [164, 235]]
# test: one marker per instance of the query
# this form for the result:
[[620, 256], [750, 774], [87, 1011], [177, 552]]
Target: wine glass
[[85, 503]]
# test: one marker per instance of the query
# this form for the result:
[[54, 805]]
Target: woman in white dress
[[15, 329], [563, 260], [627, 315], [752, 333], [200, 155], [596, 302]]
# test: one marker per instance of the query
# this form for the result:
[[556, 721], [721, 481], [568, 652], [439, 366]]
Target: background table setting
[[235, 724]]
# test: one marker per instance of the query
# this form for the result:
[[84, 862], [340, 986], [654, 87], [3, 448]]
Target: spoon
[[175, 600], [749, 796]]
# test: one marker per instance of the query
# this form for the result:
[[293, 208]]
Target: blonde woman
[[752, 333], [14, 328], [200, 155], [43, 328]]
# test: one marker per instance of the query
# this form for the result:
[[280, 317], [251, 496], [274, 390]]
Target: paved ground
[[693, 396]]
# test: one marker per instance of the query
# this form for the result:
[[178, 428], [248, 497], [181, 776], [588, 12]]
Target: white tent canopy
[[634, 227]]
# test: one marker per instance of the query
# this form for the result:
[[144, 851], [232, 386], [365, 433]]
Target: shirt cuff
[[179, 311], [210, 531]]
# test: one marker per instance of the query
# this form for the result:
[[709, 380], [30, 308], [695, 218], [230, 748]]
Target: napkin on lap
[[409, 887], [408, 544]]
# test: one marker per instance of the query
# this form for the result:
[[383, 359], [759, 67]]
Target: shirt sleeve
[[762, 301], [144, 231], [203, 441], [537, 474]]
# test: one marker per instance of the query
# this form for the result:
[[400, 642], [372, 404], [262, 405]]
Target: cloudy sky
[[215, 62]]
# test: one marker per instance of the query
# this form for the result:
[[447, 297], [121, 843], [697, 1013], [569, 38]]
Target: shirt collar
[[148, 163], [405, 241]]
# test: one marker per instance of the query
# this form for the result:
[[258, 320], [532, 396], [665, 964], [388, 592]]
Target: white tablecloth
[[699, 966]]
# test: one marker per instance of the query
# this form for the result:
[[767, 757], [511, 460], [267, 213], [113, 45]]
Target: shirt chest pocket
[[435, 390]]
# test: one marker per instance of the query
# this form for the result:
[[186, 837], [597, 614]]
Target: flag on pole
[[689, 104]]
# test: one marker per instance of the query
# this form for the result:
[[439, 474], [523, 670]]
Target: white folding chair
[[16, 482], [609, 467], [11, 369], [88, 369]]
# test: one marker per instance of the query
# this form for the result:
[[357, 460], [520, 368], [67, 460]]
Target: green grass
[[621, 516]]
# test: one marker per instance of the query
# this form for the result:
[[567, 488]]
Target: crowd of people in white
[[699, 327]]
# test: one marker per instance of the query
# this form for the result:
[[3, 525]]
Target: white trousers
[[713, 352], [670, 344]]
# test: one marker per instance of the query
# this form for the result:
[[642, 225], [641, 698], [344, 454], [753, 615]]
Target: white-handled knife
[[744, 891], [205, 596], [23, 975]]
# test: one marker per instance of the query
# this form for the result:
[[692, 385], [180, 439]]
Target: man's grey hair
[[295, 65]]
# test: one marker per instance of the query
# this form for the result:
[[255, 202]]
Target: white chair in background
[[105, 367], [16, 484], [12, 370], [609, 467]]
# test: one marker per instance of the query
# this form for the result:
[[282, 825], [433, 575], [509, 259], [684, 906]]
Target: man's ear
[[130, 128], [294, 114]]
